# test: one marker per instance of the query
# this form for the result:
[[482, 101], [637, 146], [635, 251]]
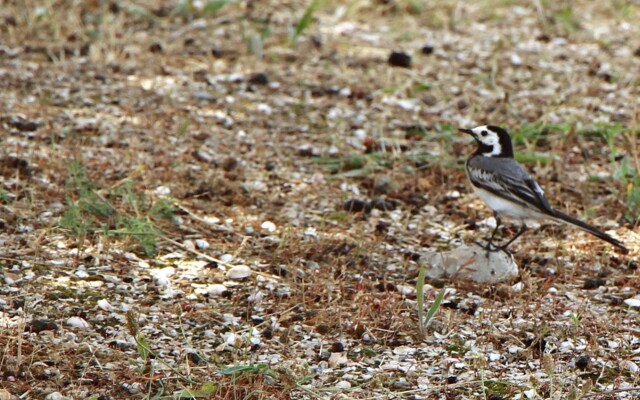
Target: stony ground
[[231, 199]]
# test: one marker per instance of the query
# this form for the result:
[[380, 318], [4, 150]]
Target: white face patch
[[488, 138]]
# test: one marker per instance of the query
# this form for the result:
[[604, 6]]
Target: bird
[[508, 189]]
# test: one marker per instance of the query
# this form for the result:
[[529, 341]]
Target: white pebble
[[268, 226], [202, 244], [77, 322], [239, 272], [226, 258], [343, 385], [630, 366], [216, 289], [632, 302], [105, 305], [163, 191]]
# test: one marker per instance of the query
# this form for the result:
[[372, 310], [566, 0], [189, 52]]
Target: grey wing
[[506, 178]]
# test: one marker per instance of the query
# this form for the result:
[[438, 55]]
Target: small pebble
[[343, 385], [268, 226], [399, 59], [239, 272], [202, 244], [357, 205], [633, 302], [77, 322], [591, 284], [583, 362], [337, 347], [427, 49], [259, 79]]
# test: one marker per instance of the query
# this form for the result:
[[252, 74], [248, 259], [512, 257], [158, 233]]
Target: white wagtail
[[501, 182]]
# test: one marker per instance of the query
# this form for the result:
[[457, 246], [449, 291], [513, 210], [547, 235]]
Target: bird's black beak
[[468, 131]]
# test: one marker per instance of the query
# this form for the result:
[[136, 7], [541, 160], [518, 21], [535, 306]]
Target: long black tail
[[592, 230]]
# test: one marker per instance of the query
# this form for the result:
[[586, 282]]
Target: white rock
[[239, 272], [265, 108], [77, 322], [471, 263], [216, 289], [337, 359], [630, 366], [632, 302], [343, 385], [162, 191], [516, 60], [105, 305], [226, 258], [268, 226], [494, 356], [202, 244]]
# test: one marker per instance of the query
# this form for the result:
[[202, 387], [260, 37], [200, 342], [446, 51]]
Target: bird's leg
[[489, 246], [495, 230], [523, 228]]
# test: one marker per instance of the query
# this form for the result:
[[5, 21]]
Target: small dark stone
[[17, 304], [591, 284], [259, 79], [22, 125], [356, 205], [217, 52], [399, 59], [583, 362], [255, 347], [494, 396], [471, 309], [189, 42], [382, 226], [114, 7], [229, 163], [267, 333], [452, 304], [452, 379], [100, 77], [155, 48], [337, 347], [195, 358], [637, 52], [127, 279], [322, 329], [384, 205], [10, 20], [427, 49], [307, 151], [39, 325], [270, 166]]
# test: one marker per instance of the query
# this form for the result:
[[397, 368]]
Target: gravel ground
[[232, 199]]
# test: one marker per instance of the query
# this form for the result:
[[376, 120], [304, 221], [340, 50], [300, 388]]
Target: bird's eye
[[484, 133]]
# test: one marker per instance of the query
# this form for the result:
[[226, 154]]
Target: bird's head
[[493, 141]]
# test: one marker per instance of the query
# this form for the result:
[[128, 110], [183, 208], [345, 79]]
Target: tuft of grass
[[305, 21], [424, 320], [121, 211]]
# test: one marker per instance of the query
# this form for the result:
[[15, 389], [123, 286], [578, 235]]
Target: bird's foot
[[489, 247]]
